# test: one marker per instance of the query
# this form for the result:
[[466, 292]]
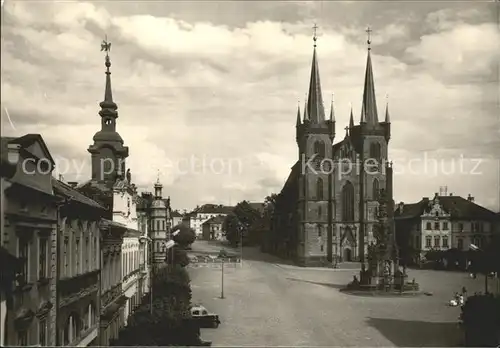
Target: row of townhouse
[[73, 268], [445, 222], [202, 214]]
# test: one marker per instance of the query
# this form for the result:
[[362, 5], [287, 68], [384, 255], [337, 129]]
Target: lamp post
[[222, 276], [476, 248]]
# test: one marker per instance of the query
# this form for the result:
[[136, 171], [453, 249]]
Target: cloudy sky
[[207, 91]]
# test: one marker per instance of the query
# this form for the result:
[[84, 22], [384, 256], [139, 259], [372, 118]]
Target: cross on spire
[[369, 41], [346, 131], [315, 37]]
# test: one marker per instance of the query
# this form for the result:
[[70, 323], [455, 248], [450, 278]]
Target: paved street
[[272, 304]]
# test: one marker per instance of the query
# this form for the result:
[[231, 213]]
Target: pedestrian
[[464, 291]]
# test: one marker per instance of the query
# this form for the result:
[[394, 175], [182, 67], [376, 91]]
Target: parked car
[[204, 318]]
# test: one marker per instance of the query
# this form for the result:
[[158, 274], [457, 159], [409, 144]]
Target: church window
[[376, 189], [348, 202], [319, 189], [319, 149], [375, 151]]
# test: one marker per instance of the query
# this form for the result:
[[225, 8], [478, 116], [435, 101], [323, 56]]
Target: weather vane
[[106, 45], [369, 41]]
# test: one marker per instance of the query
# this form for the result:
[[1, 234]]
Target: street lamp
[[222, 275], [476, 248]]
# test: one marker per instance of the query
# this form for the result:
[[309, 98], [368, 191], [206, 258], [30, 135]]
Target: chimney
[[72, 183], [400, 207], [470, 198]]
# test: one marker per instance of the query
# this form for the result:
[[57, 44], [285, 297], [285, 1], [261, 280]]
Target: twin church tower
[[326, 214]]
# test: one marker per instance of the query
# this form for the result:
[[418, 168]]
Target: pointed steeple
[[387, 117], [315, 110], [332, 111], [306, 114], [369, 107], [108, 106], [351, 119], [298, 115], [158, 186]]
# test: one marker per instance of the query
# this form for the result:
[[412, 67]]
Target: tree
[[185, 237], [168, 322], [232, 228], [177, 256]]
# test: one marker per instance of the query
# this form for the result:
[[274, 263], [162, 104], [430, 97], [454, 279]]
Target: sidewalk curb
[[316, 268]]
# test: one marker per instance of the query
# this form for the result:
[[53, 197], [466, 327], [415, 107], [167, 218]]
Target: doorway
[[347, 255]]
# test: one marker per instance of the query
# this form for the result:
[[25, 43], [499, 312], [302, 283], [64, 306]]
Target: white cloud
[[229, 94]]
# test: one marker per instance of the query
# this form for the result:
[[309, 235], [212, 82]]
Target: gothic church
[[303, 228]]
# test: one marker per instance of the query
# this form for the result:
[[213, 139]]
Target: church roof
[[458, 207], [315, 107]]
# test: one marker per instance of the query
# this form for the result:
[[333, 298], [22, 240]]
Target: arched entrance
[[347, 255]]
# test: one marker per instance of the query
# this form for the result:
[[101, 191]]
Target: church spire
[[332, 111], [369, 108], [298, 114], [387, 117], [306, 114], [351, 119], [316, 111], [108, 106]]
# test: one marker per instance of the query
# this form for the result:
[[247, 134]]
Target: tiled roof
[[60, 188], [175, 213], [458, 207], [213, 209], [257, 206], [215, 220]]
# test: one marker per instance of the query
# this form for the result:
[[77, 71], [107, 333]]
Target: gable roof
[[259, 206], [458, 207], [67, 191], [175, 213], [215, 220], [29, 139]]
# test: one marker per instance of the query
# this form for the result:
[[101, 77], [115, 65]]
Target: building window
[[436, 225], [77, 256], [319, 212], [66, 258], [42, 258], [321, 247], [319, 189], [25, 259], [348, 202], [163, 225], [375, 188], [97, 251], [445, 225], [42, 332], [460, 244], [87, 254], [428, 241], [428, 226], [436, 242], [158, 225], [22, 338], [375, 151], [319, 149], [445, 242], [320, 230], [460, 227]]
